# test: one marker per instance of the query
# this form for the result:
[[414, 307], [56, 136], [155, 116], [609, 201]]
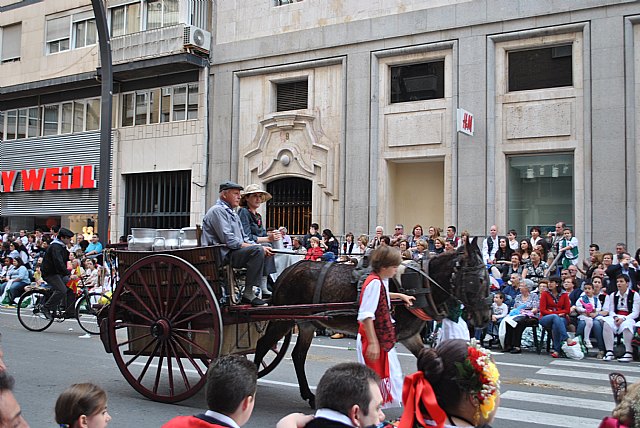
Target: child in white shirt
[[588, 307], [499, 310]]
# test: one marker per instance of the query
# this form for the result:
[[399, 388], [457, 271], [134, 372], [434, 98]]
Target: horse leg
[[275, 331], [299, 356], [413, 343]]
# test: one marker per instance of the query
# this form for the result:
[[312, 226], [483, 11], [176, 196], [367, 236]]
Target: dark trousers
[[513, 335], [58, 283], [251, 258]]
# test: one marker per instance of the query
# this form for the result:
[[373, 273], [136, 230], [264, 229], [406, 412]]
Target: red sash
[[621, 312], [386, 335]]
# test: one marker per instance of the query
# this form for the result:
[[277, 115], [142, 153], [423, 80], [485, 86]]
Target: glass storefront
[[540, 191]]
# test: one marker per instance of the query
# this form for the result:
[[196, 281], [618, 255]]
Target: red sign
[[57, 178], [465, 122]]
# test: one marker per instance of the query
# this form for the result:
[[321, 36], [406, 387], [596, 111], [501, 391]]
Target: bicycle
[[85, 309]]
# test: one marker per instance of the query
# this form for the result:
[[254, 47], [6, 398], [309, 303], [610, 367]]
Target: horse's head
[[471, 284]]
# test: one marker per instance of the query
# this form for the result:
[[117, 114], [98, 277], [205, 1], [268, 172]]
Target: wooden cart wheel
[[274, 356], [164, 327]]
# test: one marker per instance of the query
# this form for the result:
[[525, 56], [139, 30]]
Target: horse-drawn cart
[[174, 311]]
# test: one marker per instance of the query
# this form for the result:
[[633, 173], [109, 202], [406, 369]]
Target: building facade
[[50, 113], [347, 112], [360, 100]]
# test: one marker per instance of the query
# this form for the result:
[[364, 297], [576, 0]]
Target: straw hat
[[255, 188]]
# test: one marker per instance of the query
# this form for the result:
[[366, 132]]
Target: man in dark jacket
[[54, 270], [230, 394], [347, 395]]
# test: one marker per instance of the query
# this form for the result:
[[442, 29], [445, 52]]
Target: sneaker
[[46, 312], [337, 336], [609, 356], [588, 344], [626, 358]]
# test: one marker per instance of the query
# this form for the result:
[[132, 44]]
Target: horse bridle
[[424, 271]]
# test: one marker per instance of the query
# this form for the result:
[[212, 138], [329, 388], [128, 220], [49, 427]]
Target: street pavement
[[536, 389]]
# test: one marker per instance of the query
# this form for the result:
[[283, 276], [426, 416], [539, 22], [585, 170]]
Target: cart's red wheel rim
[[165, 327], [274, 356]]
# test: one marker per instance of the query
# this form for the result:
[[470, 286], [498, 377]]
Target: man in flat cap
[[221, 225]]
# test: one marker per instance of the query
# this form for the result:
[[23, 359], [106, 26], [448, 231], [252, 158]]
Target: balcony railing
[[148, 44]]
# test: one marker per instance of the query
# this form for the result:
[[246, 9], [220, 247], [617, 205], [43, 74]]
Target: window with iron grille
[[159, 200], [290, 206], [416, 82], [292, 95], [541, 68]]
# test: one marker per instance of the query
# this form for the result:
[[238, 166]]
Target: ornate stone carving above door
[[289, 144]]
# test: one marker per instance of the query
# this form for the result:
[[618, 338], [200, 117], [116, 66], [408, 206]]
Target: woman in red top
[[554, 311]]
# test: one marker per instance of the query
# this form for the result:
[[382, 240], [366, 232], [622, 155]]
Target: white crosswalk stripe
[[564, 377]]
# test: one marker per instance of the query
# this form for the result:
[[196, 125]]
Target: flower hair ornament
[[479, 377]]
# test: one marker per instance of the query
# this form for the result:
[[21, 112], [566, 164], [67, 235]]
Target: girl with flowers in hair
[[457, 385], [376, 333]]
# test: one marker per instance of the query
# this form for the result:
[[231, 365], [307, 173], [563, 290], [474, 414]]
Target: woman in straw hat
[[252, 197]]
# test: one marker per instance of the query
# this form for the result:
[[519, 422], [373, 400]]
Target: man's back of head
[[231, 381], [350, 389]]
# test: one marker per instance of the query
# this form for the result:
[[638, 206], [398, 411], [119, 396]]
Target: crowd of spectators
[[21, 256]]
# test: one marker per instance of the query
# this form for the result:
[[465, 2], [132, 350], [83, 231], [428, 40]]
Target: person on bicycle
[[54, 271]]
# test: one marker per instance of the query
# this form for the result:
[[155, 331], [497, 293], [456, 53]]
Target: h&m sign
[[56, 178]]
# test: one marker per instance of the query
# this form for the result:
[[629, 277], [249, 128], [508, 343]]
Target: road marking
[[530, 366], [289, 384], [567, 386], [583, 375], [610, 366], [541, 418], [530, 397]]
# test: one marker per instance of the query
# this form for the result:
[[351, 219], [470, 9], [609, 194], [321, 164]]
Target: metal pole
[[104, 190]]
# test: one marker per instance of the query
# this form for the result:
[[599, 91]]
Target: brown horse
[[457, 277]]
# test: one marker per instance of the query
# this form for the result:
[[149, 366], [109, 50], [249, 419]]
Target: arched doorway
[[291, 204]]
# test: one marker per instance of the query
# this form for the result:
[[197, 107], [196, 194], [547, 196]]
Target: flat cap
[[230, 185]]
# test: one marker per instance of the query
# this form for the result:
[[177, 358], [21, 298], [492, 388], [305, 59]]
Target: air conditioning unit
[[197, 38]]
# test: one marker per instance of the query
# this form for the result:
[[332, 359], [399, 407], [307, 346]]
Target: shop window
[[127, 110], [540, 190], [33, 122], [416, 82], [67, 118], [12, 123], [192, 101], [22, 123], [179, 102], [50, 119], [11, 40], [165, 105], [154, 106], [78, 116], [550, 67], [1, 126], [292, 95], [141, 108], [158, 200], [93, 114]]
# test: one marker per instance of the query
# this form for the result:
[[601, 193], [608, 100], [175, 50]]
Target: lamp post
[[106, 96]]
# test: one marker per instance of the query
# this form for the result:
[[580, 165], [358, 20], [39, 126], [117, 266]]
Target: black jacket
[[613, 271], [55, 260], [324, 423]]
